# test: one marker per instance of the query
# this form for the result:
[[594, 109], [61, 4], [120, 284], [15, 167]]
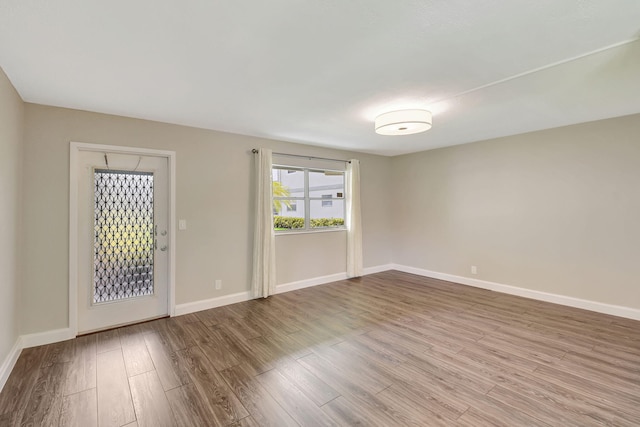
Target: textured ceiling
[[319, 71]]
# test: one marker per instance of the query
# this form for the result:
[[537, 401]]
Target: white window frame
[[306, 199]]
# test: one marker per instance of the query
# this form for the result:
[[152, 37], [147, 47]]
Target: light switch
[[182, 224]]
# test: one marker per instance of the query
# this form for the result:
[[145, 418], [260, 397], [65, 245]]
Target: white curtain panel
[[263, 282], [354, 220]]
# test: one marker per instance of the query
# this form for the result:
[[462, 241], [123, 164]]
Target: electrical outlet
[[474, 269], [218, 284]]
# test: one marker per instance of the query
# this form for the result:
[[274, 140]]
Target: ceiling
[[319, 71]]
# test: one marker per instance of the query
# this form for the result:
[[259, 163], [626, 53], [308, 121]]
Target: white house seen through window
[[307, 199]]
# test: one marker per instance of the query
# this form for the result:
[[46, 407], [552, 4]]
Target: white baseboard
[[205, 304], [614, 310], [307, 283], [192, 307], [30, 340], [48, 337], [379, 269], [322, 280], [9, 362]]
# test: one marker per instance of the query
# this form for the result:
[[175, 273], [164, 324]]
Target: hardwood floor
[[387, 349]]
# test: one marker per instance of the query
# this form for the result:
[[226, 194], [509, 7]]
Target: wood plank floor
[[387, 349]]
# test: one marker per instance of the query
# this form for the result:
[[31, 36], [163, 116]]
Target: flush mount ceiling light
[[403, 122]]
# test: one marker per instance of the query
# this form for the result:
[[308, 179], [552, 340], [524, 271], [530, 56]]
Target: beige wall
[[11, 126], [555, 211], [214, 195]]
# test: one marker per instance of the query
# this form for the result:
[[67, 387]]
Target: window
[[307, 199]]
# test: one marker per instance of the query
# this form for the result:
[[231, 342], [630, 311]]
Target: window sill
[[295, 233]]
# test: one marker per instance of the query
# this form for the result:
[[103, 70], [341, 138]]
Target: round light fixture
[[403, 122]]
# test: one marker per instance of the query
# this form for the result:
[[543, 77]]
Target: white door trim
[[75, 149]]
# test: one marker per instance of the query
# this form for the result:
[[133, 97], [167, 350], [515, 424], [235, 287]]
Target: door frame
[[74, 150]]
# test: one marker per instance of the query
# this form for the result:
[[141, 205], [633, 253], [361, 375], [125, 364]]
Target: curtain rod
[[255, 150]]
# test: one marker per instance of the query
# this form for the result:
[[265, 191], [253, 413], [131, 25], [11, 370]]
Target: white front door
[[123, 239]]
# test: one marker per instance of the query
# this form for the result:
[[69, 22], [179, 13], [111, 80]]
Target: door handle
[[163, 248]]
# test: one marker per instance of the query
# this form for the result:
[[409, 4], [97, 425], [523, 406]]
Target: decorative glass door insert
[[123, 235]]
